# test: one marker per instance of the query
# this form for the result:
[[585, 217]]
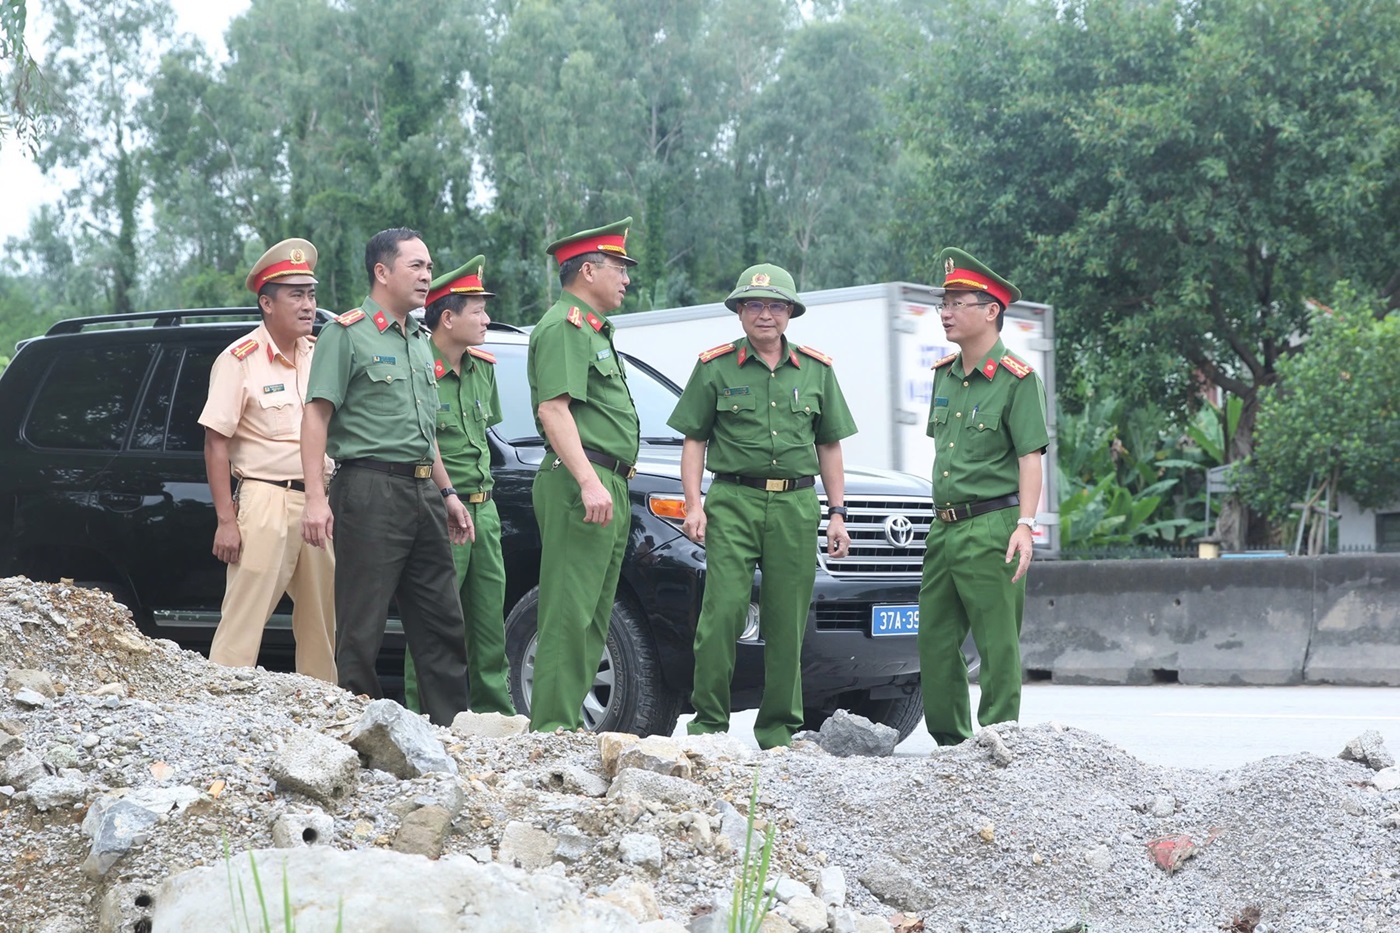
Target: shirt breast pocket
[[937, 421], [806, 405], [737, 406], [278, 415], [607, 366], [385, 389], [983, 436]]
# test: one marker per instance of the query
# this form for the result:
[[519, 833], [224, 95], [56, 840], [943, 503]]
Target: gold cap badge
[[948, 266], [760, 280], [298, 256]]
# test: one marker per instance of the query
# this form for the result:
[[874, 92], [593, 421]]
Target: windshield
[[655, 399]]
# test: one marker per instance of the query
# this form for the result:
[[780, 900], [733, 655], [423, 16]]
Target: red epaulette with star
[[816, 354], [945, 361], [574, 317], [243, 349], [1016, 367], [715, 353], [481, 354], [350, 317]]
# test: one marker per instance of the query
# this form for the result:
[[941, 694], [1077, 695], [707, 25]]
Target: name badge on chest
[[279, 387], [391, 360]]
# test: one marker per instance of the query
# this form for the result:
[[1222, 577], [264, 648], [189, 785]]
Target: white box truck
[[885, 339]]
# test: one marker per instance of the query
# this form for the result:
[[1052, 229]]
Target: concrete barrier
[[1270, 621]]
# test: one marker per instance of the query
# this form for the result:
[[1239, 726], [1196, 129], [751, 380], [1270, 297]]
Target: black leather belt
[[475, 498], [960, 512], [620, 467], [296, 484], [415, 470], [767, 485]]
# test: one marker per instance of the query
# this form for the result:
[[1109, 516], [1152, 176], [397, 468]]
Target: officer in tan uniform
[[252, 435]]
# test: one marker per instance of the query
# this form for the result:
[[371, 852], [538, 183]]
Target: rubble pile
[[142, 788]]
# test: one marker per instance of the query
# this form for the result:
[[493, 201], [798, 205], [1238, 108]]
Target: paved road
[[1198, 727]]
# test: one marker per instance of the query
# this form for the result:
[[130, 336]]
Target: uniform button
[[964, 384], [772, 404], [945, 472], [950, 445], [980, 425], [772, 375], [958, 415], [775, 463], [389, 379], [734, 408], [808, 409], [775, 433]]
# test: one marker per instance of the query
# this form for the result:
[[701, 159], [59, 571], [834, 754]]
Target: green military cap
[[610, 240], [466, 280], [765, 280], [963, 272]]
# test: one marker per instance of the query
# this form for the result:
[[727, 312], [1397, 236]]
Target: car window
[[191, 391], [149, 433], [94, 411], [655, 400]]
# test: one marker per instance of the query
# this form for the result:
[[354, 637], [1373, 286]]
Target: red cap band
[[613, 243], [466, 285], [966, 280], [279, 269]]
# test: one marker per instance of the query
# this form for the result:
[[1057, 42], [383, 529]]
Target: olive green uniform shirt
[[983, 419], [468, 404], [379, 377], [572, 353], [761, 422]]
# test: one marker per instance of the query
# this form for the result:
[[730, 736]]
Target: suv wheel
[[628, 693]]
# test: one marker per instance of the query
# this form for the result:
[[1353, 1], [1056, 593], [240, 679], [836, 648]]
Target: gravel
[[1038, 830]]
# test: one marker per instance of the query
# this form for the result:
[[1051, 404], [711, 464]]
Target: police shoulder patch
[[945, 361], [715, 353], [481, 354], [350, 317], [1017, 368], [243, 349], [816, 354]]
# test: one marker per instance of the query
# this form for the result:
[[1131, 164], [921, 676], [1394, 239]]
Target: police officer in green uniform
[[989, 431], [371, 403], [584, 411], [764, 417], [468, 404]]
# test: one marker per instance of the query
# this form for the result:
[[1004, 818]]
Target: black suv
[[102, 481]]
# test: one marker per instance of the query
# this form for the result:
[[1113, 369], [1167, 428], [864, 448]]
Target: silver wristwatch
[[1028, 522]]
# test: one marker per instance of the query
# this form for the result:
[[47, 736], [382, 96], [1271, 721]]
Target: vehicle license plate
[[894, 620]]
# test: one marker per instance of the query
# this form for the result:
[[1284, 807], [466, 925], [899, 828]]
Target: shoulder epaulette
[[350, 317], [574, 317], [816, 354], [481, 354], [1016, 367], [715, 353], [243, 349], [945, 361]]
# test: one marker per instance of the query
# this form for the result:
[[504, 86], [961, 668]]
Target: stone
[[525, 846], [126, 907], [571, 844], [61, 756], [120, 827], [733, 825], [1386, 779], [573, 779], [392, 739], [316, 766], [641, 849], [831, 886], [776, 923], [713, 922], [611, 745], [1099, 857], [845, 734], [805, 912], [648, 785], [52, 793], [786, 888], [24, 679], [489, 725], [657, 753], [1369, 749], [381, 891], [424, 832], [661, 926], [9, 744], [991, 740], [635, 897], [715, 748], [295, 829], [21, 769], [868, 924], [31, 698], [894, 884]]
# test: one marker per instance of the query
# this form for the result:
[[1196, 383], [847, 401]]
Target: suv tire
[[629, 692]]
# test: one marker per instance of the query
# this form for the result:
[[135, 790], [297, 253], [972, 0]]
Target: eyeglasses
[[960, 305], [609, 265], [775, 308]]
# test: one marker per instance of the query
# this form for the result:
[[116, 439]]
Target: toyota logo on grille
[[899, 531]]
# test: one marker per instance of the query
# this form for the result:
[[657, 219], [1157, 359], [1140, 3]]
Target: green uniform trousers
[[776, 531], [579, 567], [967, 585], [391, 544], [481, 584]]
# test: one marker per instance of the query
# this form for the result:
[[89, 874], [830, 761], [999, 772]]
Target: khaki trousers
[[274, 561]]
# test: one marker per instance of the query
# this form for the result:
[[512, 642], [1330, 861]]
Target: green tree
[[1332, 422], [1174, 177], [28, 106]]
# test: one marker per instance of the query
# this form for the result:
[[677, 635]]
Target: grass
[[751, 903], [240, 921]]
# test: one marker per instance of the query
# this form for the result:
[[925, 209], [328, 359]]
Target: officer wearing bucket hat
[[252, 432], [764, 417], [468, 404], [988, 425], [584, 411]]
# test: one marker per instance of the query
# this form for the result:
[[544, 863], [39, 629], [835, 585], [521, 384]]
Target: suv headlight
[[667, 506]]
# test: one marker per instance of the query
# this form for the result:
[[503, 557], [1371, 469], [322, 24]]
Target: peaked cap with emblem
[[765, 280], [290, 262], [464, 281], [610, 241], [963, 272]]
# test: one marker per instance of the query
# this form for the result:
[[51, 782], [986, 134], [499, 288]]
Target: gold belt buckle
[[947, 515], [775, 485], [423, 471], [476, 498], [631, 473]]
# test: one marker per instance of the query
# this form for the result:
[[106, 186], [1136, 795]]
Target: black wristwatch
[[837, 510], [448, 491]]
